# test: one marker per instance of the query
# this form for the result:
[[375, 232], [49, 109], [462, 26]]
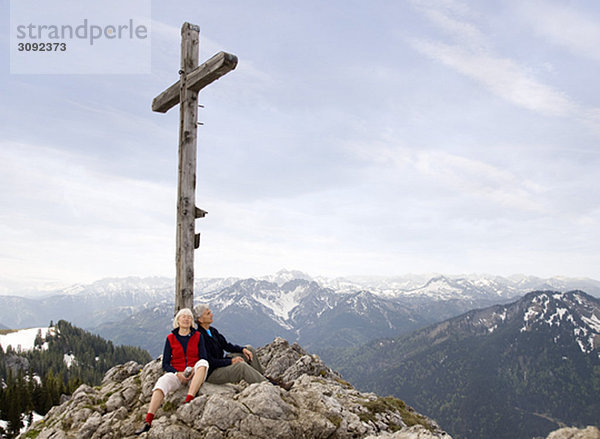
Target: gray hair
[[183, 312], [199, 309]]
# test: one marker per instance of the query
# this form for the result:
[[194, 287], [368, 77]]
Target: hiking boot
[[143, 429], [280, 383], [285, 386]]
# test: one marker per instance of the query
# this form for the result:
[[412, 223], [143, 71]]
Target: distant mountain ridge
[[318, 317], [515, 371], [89, 305], [446, 287], [252, 311], [320, 313]]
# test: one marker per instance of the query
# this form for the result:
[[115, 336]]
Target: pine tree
[[50, 392], [2, 400], [29, 391], [13, 412], [39, 341]]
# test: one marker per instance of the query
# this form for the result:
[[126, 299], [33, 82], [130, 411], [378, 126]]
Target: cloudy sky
[[354, 137]]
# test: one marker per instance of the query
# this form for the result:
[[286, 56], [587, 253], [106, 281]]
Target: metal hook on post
[[200, 123]]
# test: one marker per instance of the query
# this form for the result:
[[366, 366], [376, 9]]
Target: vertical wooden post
[[186, 189]]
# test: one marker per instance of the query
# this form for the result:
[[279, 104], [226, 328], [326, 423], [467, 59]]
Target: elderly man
[[241, 364]]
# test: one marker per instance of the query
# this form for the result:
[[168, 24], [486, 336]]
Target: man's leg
[[234, 373], [255, 363]]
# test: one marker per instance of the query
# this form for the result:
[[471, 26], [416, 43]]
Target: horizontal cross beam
[[196, 80]]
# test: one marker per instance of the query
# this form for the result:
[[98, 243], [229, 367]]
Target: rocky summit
[[320, 404]]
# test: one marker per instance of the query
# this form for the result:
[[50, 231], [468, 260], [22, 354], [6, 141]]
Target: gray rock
[[265, 400], [575, 433], [320, 404], [90, 426], [223, 412], [115, 402], [121, 372], [17, 363], [414, 432], [263, 428]]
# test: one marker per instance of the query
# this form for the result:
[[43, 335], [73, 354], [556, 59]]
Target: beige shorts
[[169, 382]]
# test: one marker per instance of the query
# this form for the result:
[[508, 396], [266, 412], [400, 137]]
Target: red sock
[[189, 397], [149, 418]]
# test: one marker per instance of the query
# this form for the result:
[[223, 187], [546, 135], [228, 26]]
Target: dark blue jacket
[[216, 345], [183, 339]]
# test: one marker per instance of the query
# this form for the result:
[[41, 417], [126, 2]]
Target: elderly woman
[[184, 348]]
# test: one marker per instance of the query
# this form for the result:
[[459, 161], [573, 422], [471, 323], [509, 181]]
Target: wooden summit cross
[[184, 92]]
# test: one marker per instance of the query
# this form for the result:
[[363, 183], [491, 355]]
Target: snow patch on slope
[[23, 339]]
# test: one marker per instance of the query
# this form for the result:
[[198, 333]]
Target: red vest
[[180, 359]]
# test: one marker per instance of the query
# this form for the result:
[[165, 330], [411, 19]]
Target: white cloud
[[474, 177], [472, 54], [562, 24], [451, 17], [65, 220], [461, 175], [502, 76]]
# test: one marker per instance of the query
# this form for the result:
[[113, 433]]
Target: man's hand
[[247, 353], [235, 360]]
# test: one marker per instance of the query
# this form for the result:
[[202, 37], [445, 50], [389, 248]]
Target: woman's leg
[[165, 384], [197, 381], [156, 401]]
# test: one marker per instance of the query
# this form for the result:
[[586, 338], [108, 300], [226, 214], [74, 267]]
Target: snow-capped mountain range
[[574, 310], [445, 287], [326, 313], [573, 315], [314, 311]]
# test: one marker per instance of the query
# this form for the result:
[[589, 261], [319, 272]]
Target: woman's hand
[[182, 377]]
